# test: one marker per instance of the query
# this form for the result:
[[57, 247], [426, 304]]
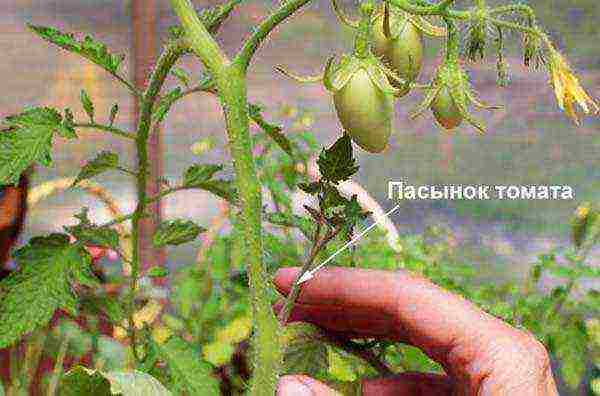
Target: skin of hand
[[481, 354]]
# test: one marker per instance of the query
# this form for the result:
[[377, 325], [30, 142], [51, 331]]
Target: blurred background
[[529, 141]]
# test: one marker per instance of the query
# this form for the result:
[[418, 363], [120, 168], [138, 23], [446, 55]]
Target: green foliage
[[90, 234], [304, 350], [337, 163], [87, 104], [273, 131], [157, 272], [164, 104], [114, 110], [182, 75], [198, 174], [82, 381], [190, 374], [201, 176], [176, 232], [89, 48], [29, 140], [103, 162], [49, 267]]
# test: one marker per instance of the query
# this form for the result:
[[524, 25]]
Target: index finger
[[447, 327]]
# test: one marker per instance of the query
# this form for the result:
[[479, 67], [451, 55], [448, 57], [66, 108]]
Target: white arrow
[[310, 274]]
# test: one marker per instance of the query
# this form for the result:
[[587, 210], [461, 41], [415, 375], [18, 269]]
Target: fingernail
[[290, 386]]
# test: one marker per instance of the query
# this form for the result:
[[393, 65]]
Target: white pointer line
[[310, 274]]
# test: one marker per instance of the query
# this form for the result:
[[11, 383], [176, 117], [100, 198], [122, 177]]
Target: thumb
[[301, 385]]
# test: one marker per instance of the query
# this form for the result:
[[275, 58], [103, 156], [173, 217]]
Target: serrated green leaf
[[89, 48], [304, 351], [157, 272], [89, 234], [213, 17], [113, 114], [337, 163], [176, 232], [221, 188], [104, 161], [29, 141], [305, 225], [87, 104], [68, 126], [190, 373], [164, 104], [198, 174], [353, 212], [332, 200], [103, 304], [311, 188], [181, 75], [48, 267], [82, 381], [273, 131]]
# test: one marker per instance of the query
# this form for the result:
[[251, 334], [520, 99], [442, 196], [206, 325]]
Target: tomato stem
[[362, 40]]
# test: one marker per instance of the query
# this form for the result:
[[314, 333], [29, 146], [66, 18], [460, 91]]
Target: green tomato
[[403, 53], [365, 111], [445, 110]]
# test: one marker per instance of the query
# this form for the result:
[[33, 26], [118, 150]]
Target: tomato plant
[[56, 271]]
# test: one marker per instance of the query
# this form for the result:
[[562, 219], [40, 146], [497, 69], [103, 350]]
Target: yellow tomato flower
[[567, 88]]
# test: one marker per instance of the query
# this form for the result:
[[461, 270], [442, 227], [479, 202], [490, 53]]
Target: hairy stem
[[106, 128], [58, 366], [166, 61], [231, 85], [244, 57], [319, 244], [440, 9]]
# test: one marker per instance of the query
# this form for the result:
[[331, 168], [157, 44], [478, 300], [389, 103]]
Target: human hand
[[481, 354]]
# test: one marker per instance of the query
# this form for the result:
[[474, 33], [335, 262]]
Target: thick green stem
[[232, 89], [231, 85]]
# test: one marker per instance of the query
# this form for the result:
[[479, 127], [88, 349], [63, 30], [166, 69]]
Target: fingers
[[301, 385], [475, 348], [405, 384], [407, 306], [409, 384]]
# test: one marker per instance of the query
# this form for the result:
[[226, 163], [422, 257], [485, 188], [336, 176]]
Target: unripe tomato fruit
[[445, 110], [403, 52], [365, 111]]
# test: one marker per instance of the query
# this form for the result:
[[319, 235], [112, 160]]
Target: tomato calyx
[[449, 97]]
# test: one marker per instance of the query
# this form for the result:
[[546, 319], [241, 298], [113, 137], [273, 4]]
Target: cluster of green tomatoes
[[384, 66]]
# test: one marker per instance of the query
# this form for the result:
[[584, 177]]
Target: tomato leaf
[[89, 48], [304, 352], [48, 268], [337, 163], [113, 114], [90, 234], [189, 372], [87, 104], [83, 381], [164, 104], [176, 232], [28, 140], [181, 75], [198, 174], [104, 161], [273, 131], [157, 272]]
